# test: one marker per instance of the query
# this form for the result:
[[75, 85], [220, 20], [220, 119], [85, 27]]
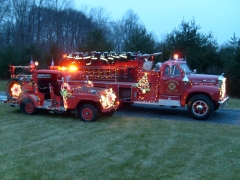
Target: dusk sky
[[221, 17]]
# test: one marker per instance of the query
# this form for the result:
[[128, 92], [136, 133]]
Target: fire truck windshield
[[185, 68]]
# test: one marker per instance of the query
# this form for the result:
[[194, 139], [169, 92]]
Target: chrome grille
[[223, 88]]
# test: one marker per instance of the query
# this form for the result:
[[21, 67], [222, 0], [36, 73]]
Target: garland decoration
[[65, 91]]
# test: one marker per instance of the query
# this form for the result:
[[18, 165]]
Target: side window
[[171, 71], [176, 71], [167, 71]]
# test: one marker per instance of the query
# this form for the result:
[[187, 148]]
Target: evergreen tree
[[230, 55], [200, 50]]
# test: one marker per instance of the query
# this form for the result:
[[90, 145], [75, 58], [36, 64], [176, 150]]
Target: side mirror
[[185, 79]]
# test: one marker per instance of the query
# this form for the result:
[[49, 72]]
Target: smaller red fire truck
[[136, 80], [58, 90]]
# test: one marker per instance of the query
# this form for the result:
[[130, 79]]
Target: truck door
[[171, 81]]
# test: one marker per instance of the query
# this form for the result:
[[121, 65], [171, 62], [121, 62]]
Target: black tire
[[10, 84], [88, 113], [216, 106], [200, 107], [124, 105], [28, 107]]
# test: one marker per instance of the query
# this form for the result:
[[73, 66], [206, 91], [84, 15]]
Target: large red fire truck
[[136, 80], [58, 90]]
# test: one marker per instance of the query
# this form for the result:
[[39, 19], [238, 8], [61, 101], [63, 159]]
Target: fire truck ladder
[[106, 72]]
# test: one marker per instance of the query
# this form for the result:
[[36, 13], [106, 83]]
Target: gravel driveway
[[221, 116], [3, 96]]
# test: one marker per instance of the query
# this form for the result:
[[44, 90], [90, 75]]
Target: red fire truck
[[58, 90], [136, 80]]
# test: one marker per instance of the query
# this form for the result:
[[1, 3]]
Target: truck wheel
[[88, 113], [216, 106], [28, 107], [200, 107]]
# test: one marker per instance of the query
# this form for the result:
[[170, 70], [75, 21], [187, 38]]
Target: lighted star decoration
[[108, 98], [16, 90]]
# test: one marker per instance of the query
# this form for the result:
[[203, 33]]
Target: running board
[[161, 102]]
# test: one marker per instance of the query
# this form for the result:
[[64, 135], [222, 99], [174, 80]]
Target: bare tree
[[4, 17], [124, 29], [99, 37], [60, 4], [4, 9], [21, 9]]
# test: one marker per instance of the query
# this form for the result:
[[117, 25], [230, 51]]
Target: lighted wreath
[[143, 84], [108, 98], [16, 90]]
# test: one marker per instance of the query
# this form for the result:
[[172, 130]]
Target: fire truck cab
[[136, 80]]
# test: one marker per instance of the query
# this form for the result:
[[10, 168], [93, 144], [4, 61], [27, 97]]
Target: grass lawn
[[3, 84], [54, 146]]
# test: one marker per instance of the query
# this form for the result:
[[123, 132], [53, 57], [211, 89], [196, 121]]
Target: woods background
[[46, 29]]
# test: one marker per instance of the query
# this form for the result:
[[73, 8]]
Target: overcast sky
[[221, 17]]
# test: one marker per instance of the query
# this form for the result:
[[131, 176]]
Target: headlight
[[222, 87], [220, 81]]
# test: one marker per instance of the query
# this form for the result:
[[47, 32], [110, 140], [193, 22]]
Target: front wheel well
[[195, 94], [97, 105]]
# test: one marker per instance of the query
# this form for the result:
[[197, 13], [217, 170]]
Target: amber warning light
[[175, 56], [73, 68], [62, 68], [70, 68]]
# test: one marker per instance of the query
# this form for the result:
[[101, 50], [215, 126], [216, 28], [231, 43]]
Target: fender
[[34, 99], [212, 91], [74, 99]]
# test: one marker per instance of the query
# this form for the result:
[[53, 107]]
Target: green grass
[[3, 84], [53, 146], [234, 103]]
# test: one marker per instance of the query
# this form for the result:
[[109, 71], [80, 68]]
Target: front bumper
[[111, 108], [12, 103], [223, 102]]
